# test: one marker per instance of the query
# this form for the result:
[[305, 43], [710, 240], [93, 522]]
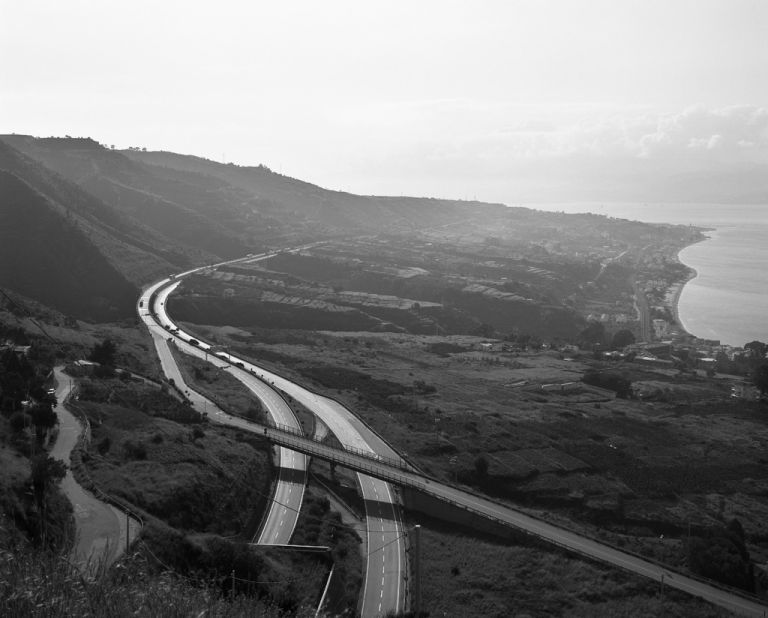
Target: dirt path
[[102, 530]]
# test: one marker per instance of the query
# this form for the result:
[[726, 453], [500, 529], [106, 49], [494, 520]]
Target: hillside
[[45, 256], [151, 213], [310, 204], [137, 251], [194, 214]]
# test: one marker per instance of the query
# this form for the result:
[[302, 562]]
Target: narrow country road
[[102, 529]]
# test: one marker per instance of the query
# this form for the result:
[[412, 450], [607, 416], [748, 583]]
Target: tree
[[45, 472], [593, 333], [481, 466], [722, 555], [760, 377], [104, 353], [623, 338], [43, 418], [485, 330], [18, 422], [756, 349], [610, 380]]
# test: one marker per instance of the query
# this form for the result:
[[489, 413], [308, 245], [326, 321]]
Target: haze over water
[[728, 299]]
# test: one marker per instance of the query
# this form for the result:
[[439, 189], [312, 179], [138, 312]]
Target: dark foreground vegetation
[[37, 584], [466, 574], [31, 506], [201, 491]]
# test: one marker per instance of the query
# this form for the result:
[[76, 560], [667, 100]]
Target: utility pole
[[127, 531], [233, 584], [416, 570], [661, 609]]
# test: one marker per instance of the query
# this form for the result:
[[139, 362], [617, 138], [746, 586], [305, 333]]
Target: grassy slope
[[134, 249], [34, 584], [467, 576], [192, 476], [44, 256]]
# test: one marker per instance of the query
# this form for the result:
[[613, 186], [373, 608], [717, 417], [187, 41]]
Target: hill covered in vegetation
[[47, 256]]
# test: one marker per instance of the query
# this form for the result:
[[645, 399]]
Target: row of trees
[[594, 334]]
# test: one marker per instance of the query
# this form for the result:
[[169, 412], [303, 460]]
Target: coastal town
[[658, 337]]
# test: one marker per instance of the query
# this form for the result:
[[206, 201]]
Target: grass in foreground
[[469, 576], [36, 584]]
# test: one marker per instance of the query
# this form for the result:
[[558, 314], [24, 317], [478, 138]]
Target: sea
[[728, 298]]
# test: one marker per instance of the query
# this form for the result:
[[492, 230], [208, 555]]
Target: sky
[[513, 101]]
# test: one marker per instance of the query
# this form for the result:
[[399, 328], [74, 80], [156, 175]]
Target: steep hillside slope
[[331, 210], [137, 251], [47, 257], [202, 214], [226, 210]]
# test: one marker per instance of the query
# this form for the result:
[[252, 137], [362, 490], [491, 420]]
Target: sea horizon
[[727, 299]]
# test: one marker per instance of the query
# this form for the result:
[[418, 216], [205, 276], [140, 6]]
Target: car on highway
[[194, 342]]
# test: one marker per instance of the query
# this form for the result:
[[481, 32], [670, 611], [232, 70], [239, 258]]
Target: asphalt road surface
[[553, 534], [283, 513], [101, 528], [385, 563]]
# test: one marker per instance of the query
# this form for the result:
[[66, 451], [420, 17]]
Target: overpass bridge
[[444, 501], [385, 468]]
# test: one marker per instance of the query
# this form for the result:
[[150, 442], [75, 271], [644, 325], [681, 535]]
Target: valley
[[500, 351]]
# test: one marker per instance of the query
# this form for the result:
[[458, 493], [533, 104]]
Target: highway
[[384, 587], [399, 473], [280, 522], [385, 565]]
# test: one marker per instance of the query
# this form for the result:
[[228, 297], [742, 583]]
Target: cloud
[[694, 137], [514, 152]]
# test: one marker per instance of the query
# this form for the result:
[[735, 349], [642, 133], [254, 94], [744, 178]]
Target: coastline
[[673, 298], [673, 293]]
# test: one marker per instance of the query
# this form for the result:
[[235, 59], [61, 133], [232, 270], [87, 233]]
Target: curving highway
[[400, 473], [384, 587], [385, 565], [280, 522]]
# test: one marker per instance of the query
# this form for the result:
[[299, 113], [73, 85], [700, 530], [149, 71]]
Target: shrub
[[19, 421], [103, 446], [610, 380], [135, 450]]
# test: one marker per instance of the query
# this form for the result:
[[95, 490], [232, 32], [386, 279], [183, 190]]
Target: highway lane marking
[[281, 382], [599, 551]]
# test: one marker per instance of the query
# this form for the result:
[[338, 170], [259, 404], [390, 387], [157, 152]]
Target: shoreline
[[673, 298], [674, 291]]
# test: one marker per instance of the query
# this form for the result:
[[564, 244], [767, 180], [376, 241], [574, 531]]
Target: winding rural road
[[102, 529]]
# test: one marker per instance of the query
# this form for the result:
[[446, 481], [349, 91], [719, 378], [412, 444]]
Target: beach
[[673, 298], [727, 300], [726, 297]]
